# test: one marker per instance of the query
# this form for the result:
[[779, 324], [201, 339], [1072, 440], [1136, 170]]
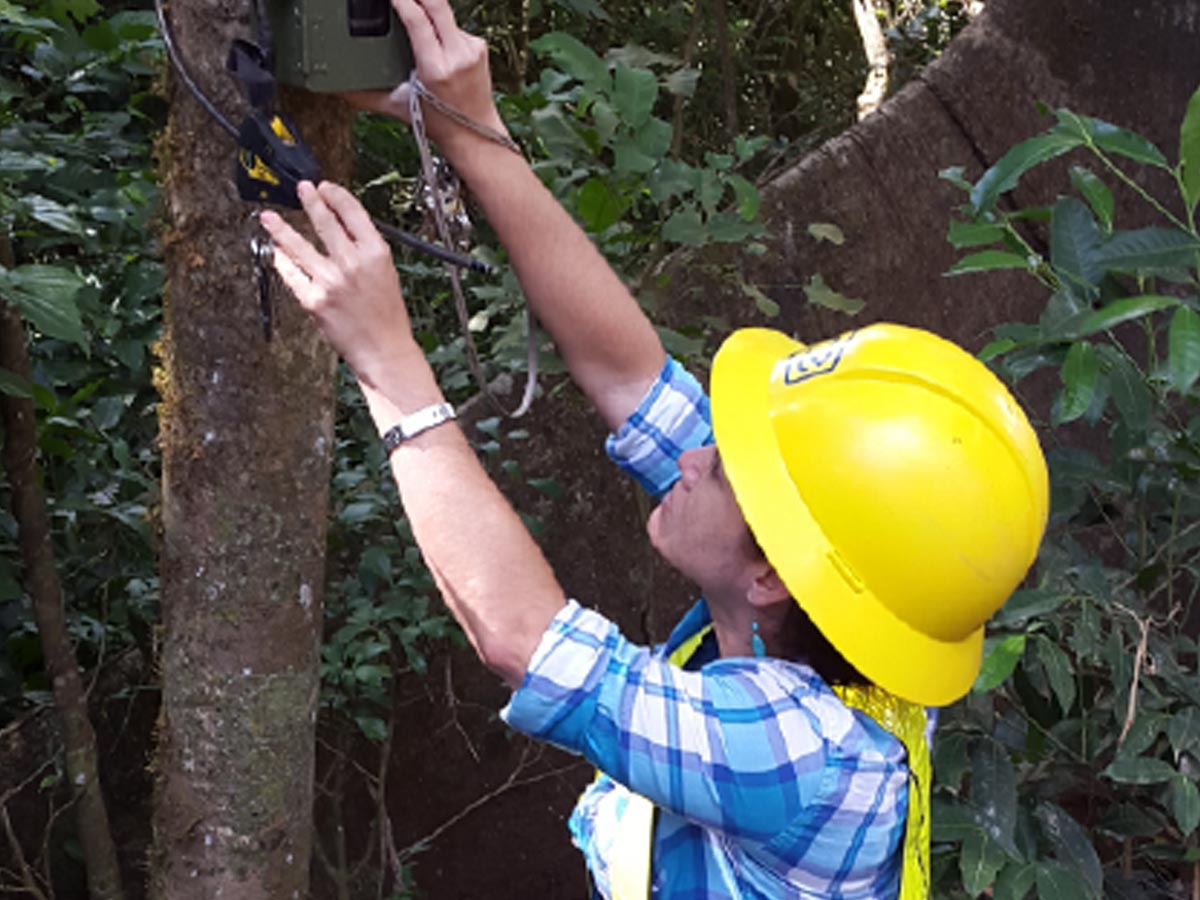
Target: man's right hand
[[452, 64]]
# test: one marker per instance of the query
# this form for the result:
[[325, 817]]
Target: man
[[867, 504]]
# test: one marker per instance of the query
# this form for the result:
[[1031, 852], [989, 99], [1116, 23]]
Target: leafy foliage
[[1071, 771], [76, 199]]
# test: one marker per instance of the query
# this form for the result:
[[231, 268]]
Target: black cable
[[391, 232], [186, 77]]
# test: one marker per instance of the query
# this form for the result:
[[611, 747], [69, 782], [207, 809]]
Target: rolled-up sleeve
[[674, 416], [732, 746]]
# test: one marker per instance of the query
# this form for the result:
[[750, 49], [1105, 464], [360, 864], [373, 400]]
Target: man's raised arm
[[608, 344]]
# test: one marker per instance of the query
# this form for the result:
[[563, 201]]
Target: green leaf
[[575, 58], [547, 486], [1140, 770], [1001, 656], [973, 234], [1096, 193], [988, 261], [1080, 371], [1185, 804], [654, 138], [14, 385], [378, 562], [747, 197], [1149, 250], [979, 861], [51, 213], [634, 94], [1183, 349], [1130, 392], [1026, 604], [1109, 138], [1071, 845], [629, 158], [588, 8], [1119, 311], [996, 348], [994, 793], [1015, 881], [1189, 152], [685, 227], [1007, 171], [765, 304], [1057, 882], [821, 294], [374, 728], [827, 231], [1075, 240], [1060, 672], [45, 295], [599, 206], [682, 82], [1184, 730]]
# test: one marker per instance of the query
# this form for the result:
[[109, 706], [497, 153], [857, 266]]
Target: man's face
[[699, 528]]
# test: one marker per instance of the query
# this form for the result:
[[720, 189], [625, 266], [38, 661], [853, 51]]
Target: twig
[[513, 781], [28, 880], [1138, 660]]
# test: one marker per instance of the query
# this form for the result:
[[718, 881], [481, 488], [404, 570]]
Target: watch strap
[[415, 423]]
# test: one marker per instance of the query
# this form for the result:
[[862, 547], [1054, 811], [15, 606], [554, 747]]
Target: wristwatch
[[412, 425]]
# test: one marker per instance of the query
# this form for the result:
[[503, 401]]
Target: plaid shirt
[[767, 785]]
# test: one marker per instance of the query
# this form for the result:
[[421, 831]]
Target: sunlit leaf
[[821, 294], [1096, 193], [45, 295], [1183, 349], [827, 231], [1120, 311], [1080, 371], [973, 234], [1109, 138], [1007, 172], [988, 261], [1189, 152], [999, 660]]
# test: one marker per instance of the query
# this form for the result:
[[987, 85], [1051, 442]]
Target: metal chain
[[417, 93]]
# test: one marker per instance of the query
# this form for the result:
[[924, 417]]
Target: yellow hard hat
[[894, 484]]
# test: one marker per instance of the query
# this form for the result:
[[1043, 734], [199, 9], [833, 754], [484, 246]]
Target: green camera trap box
[[339, 45]]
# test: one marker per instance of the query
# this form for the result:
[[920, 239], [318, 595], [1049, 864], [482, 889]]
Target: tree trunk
[[729, 89], [40, 580], [247, 438]]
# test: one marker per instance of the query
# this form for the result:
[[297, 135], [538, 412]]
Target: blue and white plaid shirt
[[767, 785]]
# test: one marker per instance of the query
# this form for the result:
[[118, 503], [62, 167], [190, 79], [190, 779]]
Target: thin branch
[[28, 880]]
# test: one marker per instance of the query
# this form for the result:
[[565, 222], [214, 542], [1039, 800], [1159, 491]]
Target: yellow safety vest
[[629, 866]]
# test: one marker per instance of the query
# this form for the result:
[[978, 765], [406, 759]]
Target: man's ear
[[767, 588]]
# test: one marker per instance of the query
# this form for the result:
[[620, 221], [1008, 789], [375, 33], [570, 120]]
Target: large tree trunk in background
[[1133, 63], [247, 439], [39, 577]]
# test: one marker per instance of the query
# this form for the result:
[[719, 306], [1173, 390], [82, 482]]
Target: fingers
[[325, 222], [354, 221], [302, 263], [442, 17], [421, 33]]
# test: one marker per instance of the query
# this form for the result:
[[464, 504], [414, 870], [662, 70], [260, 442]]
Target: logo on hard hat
[[819, 359]]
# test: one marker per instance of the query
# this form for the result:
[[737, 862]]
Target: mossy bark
[[247, 440]]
